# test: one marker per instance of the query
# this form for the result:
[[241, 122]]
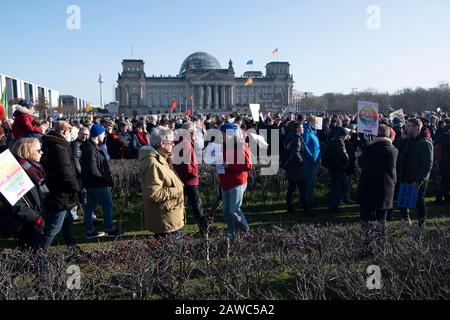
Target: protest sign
[[368, 117], [254, 109], [398, 114], [14, 181], [407, 196], [319, 123]]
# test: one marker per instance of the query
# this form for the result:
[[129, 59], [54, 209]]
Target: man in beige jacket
[[162, 190]]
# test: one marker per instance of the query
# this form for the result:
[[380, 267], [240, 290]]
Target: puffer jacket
[[23, 123], [162, 191]]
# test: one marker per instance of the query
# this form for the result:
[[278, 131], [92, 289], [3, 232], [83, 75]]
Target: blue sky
[[327, 42]]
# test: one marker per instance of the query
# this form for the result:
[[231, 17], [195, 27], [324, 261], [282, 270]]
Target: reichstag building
[[203, 85]]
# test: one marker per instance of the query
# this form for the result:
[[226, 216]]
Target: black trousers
[[193, 198], [292, 187], [444, 188], [421, 207]]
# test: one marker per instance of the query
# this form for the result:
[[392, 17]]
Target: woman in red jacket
[[233, 179]]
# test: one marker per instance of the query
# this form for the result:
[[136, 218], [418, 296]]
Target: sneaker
[[178, 234], [95, 235], [116, 234]]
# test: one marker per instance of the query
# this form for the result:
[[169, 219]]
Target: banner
[[368, 117], [14, 181], [398, 114]]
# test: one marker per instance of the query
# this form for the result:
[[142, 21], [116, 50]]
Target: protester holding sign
[[415, 164], [233, 181], [25, 219]]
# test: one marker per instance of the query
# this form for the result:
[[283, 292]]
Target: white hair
[[160, 134]]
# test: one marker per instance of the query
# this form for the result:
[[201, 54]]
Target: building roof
[[200, 61]]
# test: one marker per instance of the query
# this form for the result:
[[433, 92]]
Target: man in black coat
[[294, 166], [62, 183], [338, 168], [415, 164], [378, 164], [443, 142], [97, 180]]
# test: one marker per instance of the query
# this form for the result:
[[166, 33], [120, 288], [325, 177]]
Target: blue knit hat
[[229, 128], [97, 130]]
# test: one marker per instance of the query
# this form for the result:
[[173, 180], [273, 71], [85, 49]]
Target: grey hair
[[189, 126], [160, 134]]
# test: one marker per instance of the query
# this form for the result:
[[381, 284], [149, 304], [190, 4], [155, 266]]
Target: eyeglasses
[[169, 143]]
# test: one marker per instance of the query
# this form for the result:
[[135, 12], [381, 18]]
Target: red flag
[[189, 112], [174, 106], [2, 112]]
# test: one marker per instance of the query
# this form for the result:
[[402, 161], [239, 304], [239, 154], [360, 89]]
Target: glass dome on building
[[200, 61]]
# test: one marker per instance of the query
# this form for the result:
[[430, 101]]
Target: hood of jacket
[[21, 111], [55, 138]]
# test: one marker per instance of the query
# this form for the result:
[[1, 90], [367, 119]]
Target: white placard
[[254, 109], [213, 154], [319, 123], [14, 181]]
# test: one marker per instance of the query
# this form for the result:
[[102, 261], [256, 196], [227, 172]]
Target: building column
[[191, 94], [202, 96], [209, 96], [222, 93], [232, 96], [216, 96]]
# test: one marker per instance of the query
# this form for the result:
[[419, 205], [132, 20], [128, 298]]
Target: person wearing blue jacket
[[311, 158]]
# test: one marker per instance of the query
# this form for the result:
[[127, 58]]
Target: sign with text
[[368, 117], [14, 181]]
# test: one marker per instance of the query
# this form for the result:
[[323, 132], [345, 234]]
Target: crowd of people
[[67, 159]]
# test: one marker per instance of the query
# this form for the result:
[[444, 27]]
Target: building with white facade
[[19, 89]]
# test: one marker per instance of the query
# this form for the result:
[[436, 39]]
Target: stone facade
[[203, 85]]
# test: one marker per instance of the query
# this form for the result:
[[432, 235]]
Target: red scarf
[[142, 137], [34, 170]]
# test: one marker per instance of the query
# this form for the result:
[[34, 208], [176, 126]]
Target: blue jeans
[[56, 222], [338, 187], [311, 169], [232, 202], [94, 197]]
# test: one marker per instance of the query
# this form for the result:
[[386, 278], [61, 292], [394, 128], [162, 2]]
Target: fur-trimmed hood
[[19, 109]]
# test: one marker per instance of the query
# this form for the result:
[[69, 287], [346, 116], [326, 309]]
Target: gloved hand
[[39, 225]]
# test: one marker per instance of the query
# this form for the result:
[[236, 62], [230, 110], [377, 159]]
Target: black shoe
[[116, 234], [95, 235]]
